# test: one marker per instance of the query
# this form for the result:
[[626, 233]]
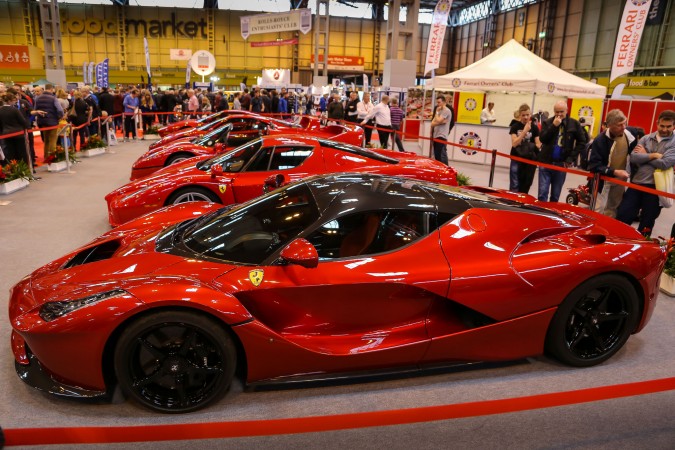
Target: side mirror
[[216, 170], [272, 182], [302, 253]]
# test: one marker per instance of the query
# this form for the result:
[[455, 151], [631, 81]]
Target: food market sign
[[298, 19]]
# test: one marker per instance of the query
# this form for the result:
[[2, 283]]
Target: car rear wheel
[[175, 361], [192, 194], [178, 157], [594, 321]]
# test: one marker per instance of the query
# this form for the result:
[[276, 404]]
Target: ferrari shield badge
[[222, 188], [256, 276]]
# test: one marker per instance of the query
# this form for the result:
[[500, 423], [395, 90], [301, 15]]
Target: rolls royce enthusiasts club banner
[[298, 19]]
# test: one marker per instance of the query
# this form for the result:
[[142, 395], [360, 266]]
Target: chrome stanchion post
[[492, 167], [29, 157], [594, 196], [66, 146]]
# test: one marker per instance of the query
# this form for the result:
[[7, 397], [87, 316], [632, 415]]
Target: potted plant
[[14, 176], [667, 282], [151, 133], [94, 146], [463, 179], [57, 161]]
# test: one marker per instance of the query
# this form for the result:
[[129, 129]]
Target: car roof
[[363, 192]]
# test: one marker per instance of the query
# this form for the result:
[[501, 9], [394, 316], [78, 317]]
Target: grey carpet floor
[[63, 211]]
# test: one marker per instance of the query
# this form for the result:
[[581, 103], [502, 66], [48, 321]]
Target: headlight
[[54, 310]]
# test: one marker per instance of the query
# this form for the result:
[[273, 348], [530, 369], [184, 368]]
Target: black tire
[[192, 194], [594, 321], [178, 157], [175, 361], [572, 199]]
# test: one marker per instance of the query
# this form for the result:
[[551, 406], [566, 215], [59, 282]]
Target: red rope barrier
[[270, 427]]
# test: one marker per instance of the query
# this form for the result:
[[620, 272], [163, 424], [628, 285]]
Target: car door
[[366, 304], [291, 160]]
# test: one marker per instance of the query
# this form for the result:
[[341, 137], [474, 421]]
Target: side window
[[289, 157], [367, 233], [261, 161]]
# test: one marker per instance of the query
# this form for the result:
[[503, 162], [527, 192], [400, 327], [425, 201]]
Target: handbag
[[527, 150], [663, 179]]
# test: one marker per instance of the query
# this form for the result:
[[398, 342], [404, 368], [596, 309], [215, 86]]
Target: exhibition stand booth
[[508, 77]]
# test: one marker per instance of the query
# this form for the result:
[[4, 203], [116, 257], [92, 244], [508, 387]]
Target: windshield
[[252, 232], [234, 159], [215, 136], [357, 151]]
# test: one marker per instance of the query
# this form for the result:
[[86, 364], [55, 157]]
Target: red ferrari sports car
[[241, 174], [194, 123], [244, 128], [326, 278]]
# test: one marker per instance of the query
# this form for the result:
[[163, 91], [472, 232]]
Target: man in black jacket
[[609, 155], [562, 138]]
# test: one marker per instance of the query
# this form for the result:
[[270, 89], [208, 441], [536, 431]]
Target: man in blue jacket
[[49, 112]]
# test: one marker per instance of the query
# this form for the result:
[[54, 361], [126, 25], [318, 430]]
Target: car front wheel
[[175, 361], [594, 321], [192, 194]]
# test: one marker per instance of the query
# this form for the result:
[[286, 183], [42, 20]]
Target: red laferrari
[[243, 128], [328, 278], [240, 174]]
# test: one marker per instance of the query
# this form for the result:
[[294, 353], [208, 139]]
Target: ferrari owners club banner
[[633, 21], [437, 34]]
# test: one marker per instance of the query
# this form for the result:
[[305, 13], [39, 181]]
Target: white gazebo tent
[[513, 68], [509, 76]]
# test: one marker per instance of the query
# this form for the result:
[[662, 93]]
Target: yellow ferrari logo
[[256, 276], [222, 188]]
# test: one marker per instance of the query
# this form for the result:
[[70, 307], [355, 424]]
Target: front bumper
[[36, 376]]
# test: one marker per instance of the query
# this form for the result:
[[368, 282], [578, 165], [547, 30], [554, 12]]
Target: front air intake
[[98, 252]]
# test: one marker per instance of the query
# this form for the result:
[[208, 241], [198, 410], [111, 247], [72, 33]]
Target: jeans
[[396, 138], [441, 151], [634, 201], [553, 179], [513, 176]]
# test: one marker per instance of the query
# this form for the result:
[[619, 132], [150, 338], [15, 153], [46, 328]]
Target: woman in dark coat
[[80, 117], [13, 121]]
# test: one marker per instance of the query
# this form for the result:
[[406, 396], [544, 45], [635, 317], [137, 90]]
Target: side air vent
[[92, 254]]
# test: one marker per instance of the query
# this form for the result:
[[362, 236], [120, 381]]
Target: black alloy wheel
[[594, 321], [175, 361]]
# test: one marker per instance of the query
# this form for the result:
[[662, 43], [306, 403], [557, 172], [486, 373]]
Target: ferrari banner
[[632, 23], [437, 34]]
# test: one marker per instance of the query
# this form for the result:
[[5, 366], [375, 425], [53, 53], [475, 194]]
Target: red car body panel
[[346, 314], [245, 128], [153, 192]]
